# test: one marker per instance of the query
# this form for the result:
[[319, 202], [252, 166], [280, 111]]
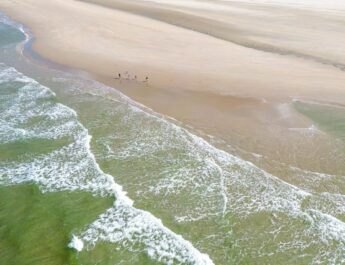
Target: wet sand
[[229, 69]]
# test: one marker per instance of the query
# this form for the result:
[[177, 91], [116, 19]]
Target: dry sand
[[105, 41], [225, 67]]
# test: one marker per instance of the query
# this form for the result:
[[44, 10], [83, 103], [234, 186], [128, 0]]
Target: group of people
[[127, 76]]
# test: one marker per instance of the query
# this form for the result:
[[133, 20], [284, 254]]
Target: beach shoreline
[[131, 142], [188, 71], [183, 60]]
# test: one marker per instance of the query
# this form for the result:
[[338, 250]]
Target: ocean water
[[87, 176]]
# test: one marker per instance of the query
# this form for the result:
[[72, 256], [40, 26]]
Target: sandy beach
[[226, 68], [172, 132], [105, 41]]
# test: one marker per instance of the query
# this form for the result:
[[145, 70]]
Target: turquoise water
[[9, 36], [88, 176]]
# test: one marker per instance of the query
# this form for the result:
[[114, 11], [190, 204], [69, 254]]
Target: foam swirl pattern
[[30, 112]]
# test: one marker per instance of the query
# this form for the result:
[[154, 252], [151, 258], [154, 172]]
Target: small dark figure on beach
[[119, 76], [135, 77], [146, 79]]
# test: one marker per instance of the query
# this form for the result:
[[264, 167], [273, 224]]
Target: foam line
[[74, 167]]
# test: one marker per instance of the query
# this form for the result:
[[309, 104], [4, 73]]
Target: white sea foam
[[73, 167], [331, 232], [202, 169], [224, 183], [217, 182], [76, 243], [129, 227]]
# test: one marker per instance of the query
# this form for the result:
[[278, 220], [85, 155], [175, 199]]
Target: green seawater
[[35, 228], [328, 118], [67, 142]]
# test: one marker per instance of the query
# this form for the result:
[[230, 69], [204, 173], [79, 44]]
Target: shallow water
[[329, 118], [66, 146]]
